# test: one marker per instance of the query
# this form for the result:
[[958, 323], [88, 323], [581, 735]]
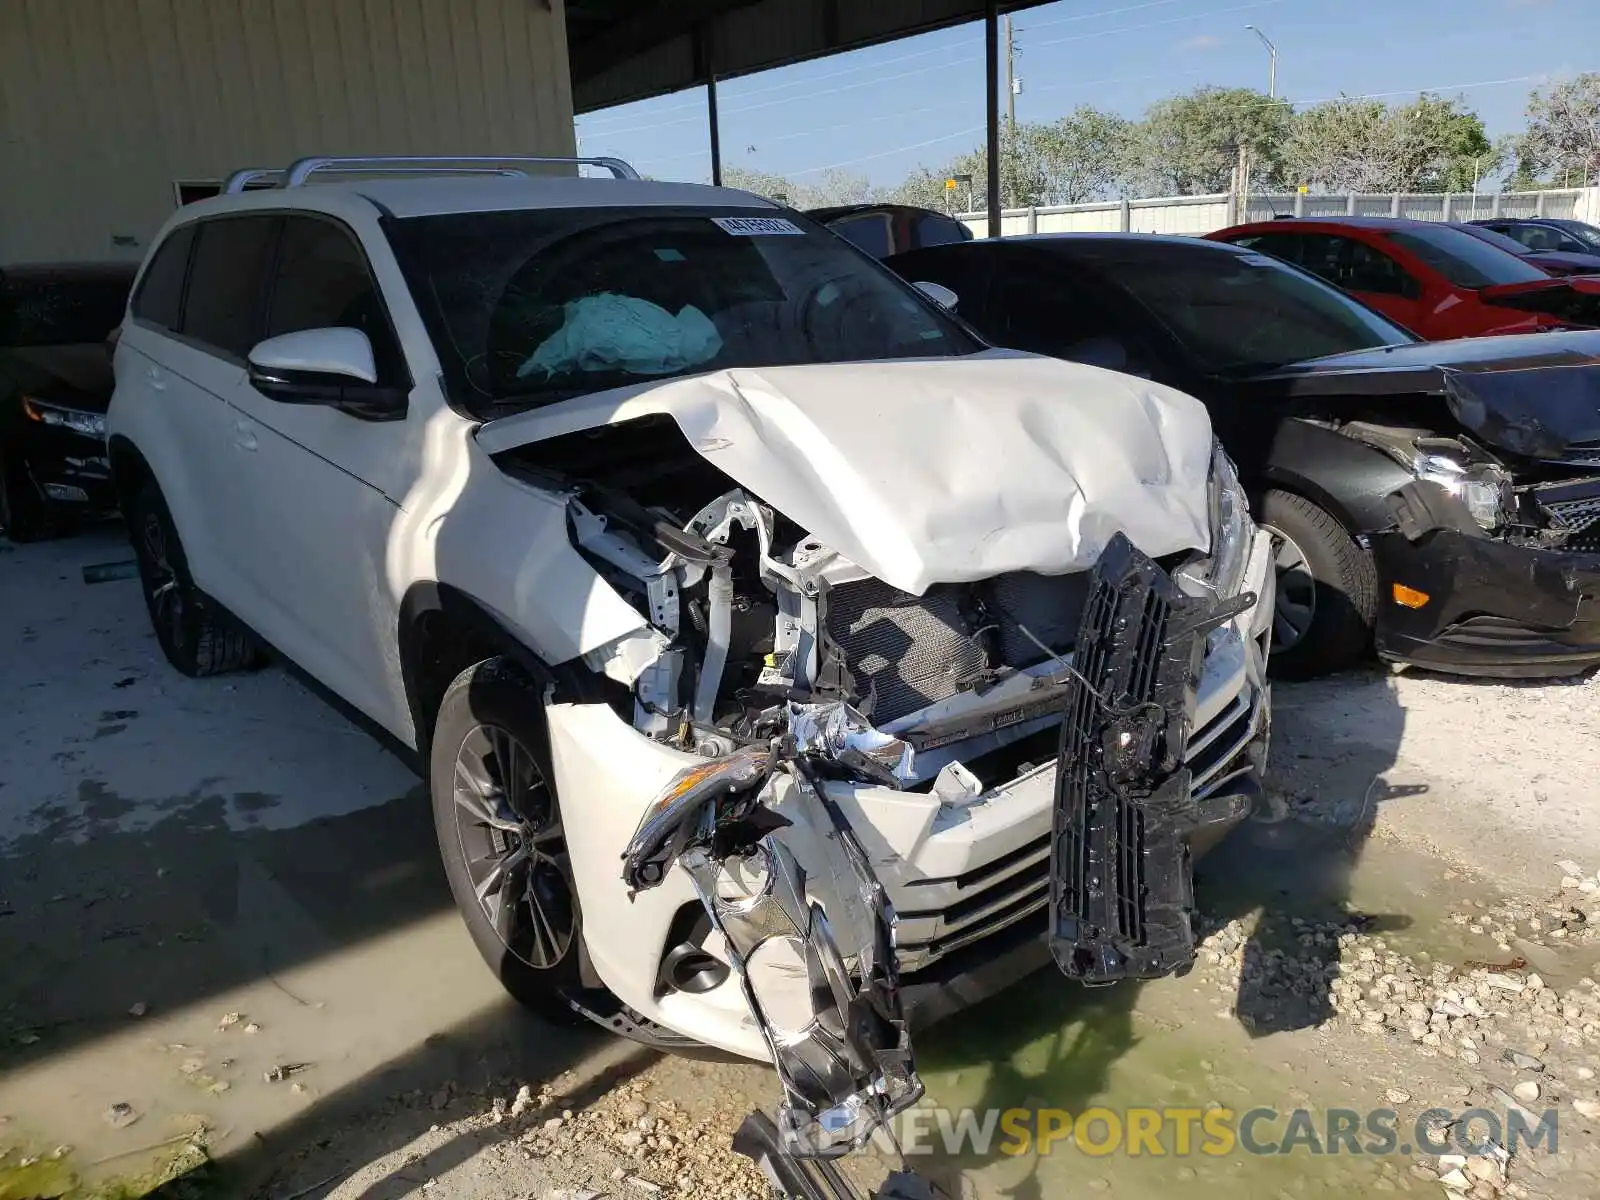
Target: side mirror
[[333, 367], [939, 294]]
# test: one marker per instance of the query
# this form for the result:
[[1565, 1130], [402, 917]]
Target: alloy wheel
[[162, 584], [514, 847], [1295, 601]]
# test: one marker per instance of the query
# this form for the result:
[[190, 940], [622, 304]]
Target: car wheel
[[24, 513], [196, 637], [499, 823], [1327, 589]]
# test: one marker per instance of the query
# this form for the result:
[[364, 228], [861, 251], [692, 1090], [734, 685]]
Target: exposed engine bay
[[767, 652]]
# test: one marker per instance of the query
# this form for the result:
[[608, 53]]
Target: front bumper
[[65, 467], [970, 883], [1493, 608]]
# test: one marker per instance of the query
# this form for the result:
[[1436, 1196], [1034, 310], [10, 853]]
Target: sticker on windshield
[[756, 226]]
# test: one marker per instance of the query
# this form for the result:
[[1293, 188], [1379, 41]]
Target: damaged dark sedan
[[1439, 501], [55, 383]]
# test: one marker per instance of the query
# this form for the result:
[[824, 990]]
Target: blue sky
[[883, 111]]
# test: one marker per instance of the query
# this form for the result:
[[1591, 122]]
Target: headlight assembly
[[87, 423], [1482, 487], [1232, 530]]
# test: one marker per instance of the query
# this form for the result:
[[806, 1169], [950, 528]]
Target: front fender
[[1349, 479]]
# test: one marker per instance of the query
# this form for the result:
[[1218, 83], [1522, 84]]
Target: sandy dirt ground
[[228, 956]]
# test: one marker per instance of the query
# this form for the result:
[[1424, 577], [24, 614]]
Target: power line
[[919, 112], [1210, 12], [1105, 12], [873, 66], [1358, 96]]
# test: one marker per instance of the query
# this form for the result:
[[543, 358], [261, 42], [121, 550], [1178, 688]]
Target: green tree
[[1089, 154], [1562, 138], [1358, 145], [1189, 144], [1086, 155]]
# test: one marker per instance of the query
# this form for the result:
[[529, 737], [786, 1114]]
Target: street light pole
[[1272, 96], [1272, 62]]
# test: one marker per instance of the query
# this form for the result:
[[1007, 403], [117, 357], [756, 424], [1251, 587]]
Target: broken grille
[[1122, 883]]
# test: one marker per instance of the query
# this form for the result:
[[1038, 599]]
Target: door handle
[[155, 379], [244, 436]]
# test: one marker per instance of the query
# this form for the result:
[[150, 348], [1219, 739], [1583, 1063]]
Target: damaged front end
[[1122, 898], [1491, 562], [1037, 727]]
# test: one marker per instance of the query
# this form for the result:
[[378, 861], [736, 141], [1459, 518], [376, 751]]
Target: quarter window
[[160, 297]]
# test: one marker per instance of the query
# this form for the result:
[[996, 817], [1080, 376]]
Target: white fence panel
[[1197, 215]]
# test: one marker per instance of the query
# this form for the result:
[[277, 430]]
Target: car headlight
[[1482, 487], [1222, 571], [87, 423]]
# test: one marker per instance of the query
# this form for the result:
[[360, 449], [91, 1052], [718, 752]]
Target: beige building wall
[[106, 105]]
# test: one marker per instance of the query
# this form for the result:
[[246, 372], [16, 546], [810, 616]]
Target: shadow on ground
[[1052, 1043]]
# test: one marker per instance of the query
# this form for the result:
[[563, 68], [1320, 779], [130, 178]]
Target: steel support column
[[991, 44]]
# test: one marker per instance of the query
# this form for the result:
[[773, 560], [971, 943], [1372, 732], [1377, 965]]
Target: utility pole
[[1011, 77]]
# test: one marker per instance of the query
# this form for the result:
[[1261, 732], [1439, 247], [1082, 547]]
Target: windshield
[[532, 307], [1242, 312], [1509, 244], [1463, 259], [1584, 233]]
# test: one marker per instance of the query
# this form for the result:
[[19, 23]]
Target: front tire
[[498, 819], [196, 637], [1327, 590]]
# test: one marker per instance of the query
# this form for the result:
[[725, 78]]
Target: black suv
[[56, 322]]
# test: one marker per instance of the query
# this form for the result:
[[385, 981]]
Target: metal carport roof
[[624, 50]]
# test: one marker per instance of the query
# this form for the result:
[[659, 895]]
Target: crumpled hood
[[1536, 395], [936, 470]]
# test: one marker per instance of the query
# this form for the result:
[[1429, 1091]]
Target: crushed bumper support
[[824, 986]]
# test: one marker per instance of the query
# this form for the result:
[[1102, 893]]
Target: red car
[[1437, 281]]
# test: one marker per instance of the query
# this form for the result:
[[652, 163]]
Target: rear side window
[[160, 296], [226, 283], [322, 279]]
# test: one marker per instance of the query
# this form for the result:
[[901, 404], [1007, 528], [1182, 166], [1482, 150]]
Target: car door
[[1367, 272], [326, 485], [196, 314]]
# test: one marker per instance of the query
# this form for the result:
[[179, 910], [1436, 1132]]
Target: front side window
[[1464, 260], [322, 280], [531, 308], [1243, 312], [160, 296], [226, 282]]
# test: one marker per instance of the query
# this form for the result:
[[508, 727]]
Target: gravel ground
[[174, 851]]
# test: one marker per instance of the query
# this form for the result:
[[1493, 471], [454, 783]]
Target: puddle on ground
[[1175, 1042]]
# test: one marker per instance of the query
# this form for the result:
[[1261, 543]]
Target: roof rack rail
[[297, 173]]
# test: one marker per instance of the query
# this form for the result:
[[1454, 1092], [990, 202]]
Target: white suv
[[735, 599]]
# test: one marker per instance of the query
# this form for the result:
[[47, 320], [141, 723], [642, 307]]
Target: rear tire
[[498, 819], [197, 638], [1327, 593]]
